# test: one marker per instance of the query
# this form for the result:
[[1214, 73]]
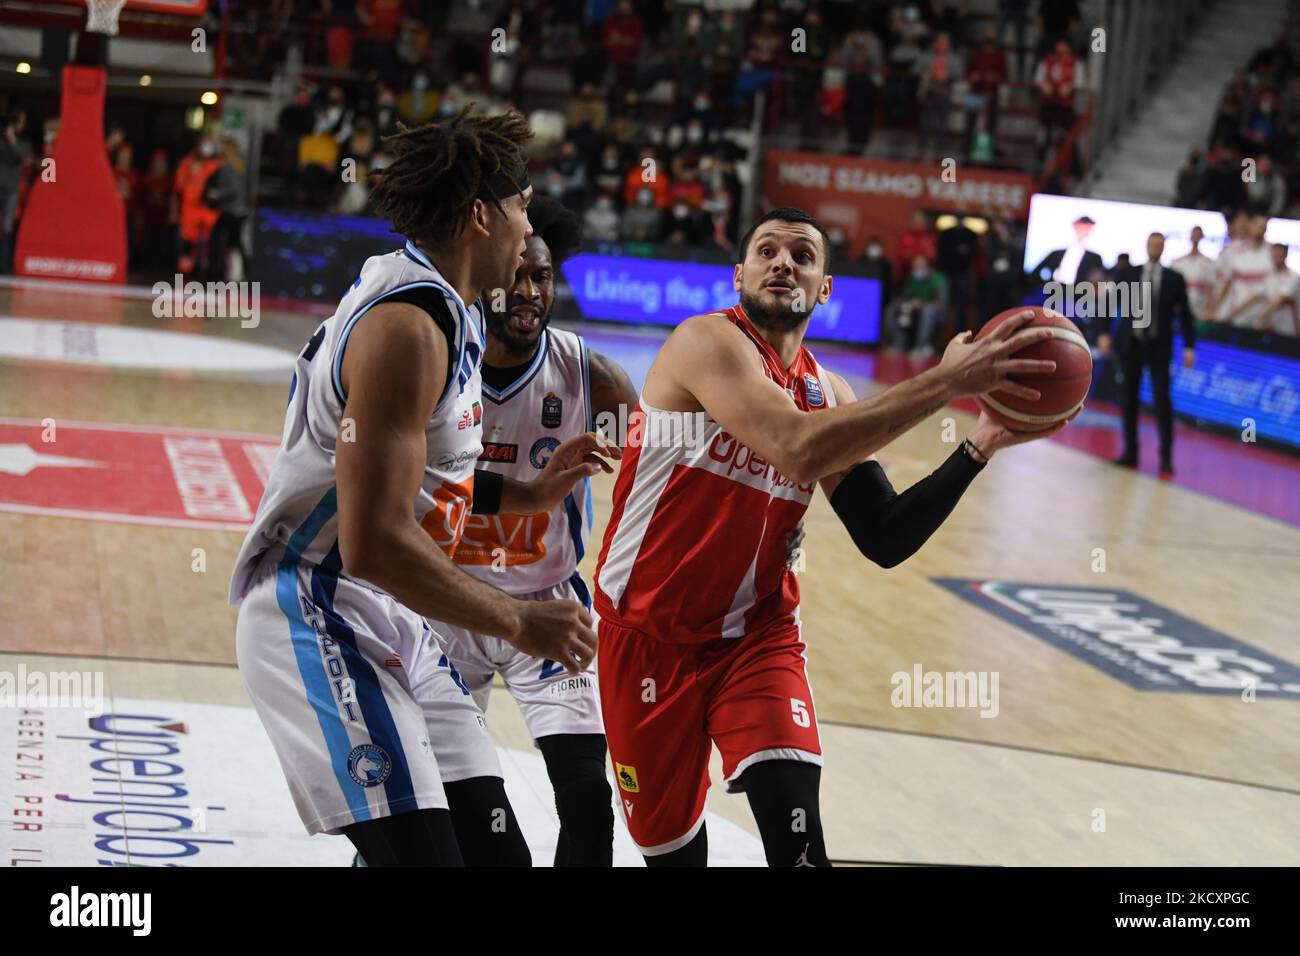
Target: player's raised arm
[[888, 527], [710, 362], [395, 354]]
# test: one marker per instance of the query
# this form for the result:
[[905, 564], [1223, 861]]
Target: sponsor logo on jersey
[[1137, 641], [627, 778], [506, 454], [445, 521], [503, 540], [369, 765], [552, 410], [447, 460], [470, 417], [542, 450], [571, 687], [813, 389]]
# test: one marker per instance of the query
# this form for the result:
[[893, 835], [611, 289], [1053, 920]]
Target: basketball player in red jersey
[[699, 633]]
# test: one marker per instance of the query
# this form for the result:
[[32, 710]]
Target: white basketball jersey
[[549, 403], [299, 510]]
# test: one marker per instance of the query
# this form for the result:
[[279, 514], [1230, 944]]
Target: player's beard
[[779, 319], [499, 328]]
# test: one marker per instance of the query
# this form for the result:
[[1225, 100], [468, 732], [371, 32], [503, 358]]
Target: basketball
[[1062, 390]]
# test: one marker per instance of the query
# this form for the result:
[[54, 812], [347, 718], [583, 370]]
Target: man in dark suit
[[1073, 263], [1145, 338]]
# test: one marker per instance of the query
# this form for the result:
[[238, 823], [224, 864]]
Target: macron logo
[[103, 909]]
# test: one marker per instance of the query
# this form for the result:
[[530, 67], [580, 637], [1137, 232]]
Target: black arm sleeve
[[488, 486], [889, 528]]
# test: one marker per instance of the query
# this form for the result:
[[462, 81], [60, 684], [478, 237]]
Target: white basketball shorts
[[365, 712], [552, 700]]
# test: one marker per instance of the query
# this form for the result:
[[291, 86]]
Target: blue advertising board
[[662, 292], [1230, 384]]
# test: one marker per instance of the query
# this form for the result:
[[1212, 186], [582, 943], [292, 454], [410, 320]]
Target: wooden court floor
[[1179, 776]]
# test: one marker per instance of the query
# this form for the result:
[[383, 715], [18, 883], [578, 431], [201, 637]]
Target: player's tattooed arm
[[611, 389], [709, 362]]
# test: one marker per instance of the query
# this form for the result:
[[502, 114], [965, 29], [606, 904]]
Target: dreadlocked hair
[[556, 226], [440, 169]]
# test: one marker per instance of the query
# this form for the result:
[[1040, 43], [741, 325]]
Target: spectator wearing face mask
[[650, 173], [918, 312], [686, 186], [196, 217], [643, 220], [335, 115], [1268, 191], [876, 266], [601, 221], [685, 226], [566, 177], [717, 213], [1059, 78], [607, 173], [937, 71], [419, 104]]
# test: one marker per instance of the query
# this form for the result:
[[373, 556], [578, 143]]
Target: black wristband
[[968, 446], [488, 488]]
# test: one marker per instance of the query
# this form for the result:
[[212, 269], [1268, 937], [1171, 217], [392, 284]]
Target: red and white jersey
[[522, 425], [1286, 286], [696, 544], [1248, 267], [1199, 273]]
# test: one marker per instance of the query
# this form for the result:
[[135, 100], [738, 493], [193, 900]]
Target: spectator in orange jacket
[[196, 217], [648, 175]]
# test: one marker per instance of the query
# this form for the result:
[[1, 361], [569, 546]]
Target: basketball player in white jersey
[[1198, 272], [541, 386], [351, 546], [1243, 271]]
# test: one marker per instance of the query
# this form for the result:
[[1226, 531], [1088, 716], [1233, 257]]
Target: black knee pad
[[583, 799], [485, 824], [784, 795]]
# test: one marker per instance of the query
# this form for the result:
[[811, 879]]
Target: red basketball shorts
[[663, 703]]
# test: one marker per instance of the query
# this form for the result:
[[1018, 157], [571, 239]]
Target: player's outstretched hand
[[988, 436], [560, 631], [578, 458], [978, 367]]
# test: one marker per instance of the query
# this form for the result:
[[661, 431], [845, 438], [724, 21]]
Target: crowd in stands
[[661, 82], [1253, 154]]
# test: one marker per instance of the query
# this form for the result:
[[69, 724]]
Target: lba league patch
[[552, 409]]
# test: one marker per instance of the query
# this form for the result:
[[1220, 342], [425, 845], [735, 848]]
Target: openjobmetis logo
[[1133, 639], [77, 909]]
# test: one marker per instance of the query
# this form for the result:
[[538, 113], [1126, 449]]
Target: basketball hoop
[[101, 16]]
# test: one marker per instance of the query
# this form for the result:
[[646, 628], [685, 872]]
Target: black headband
[[505, 183]]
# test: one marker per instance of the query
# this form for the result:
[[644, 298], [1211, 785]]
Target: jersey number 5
[[799, 713]]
